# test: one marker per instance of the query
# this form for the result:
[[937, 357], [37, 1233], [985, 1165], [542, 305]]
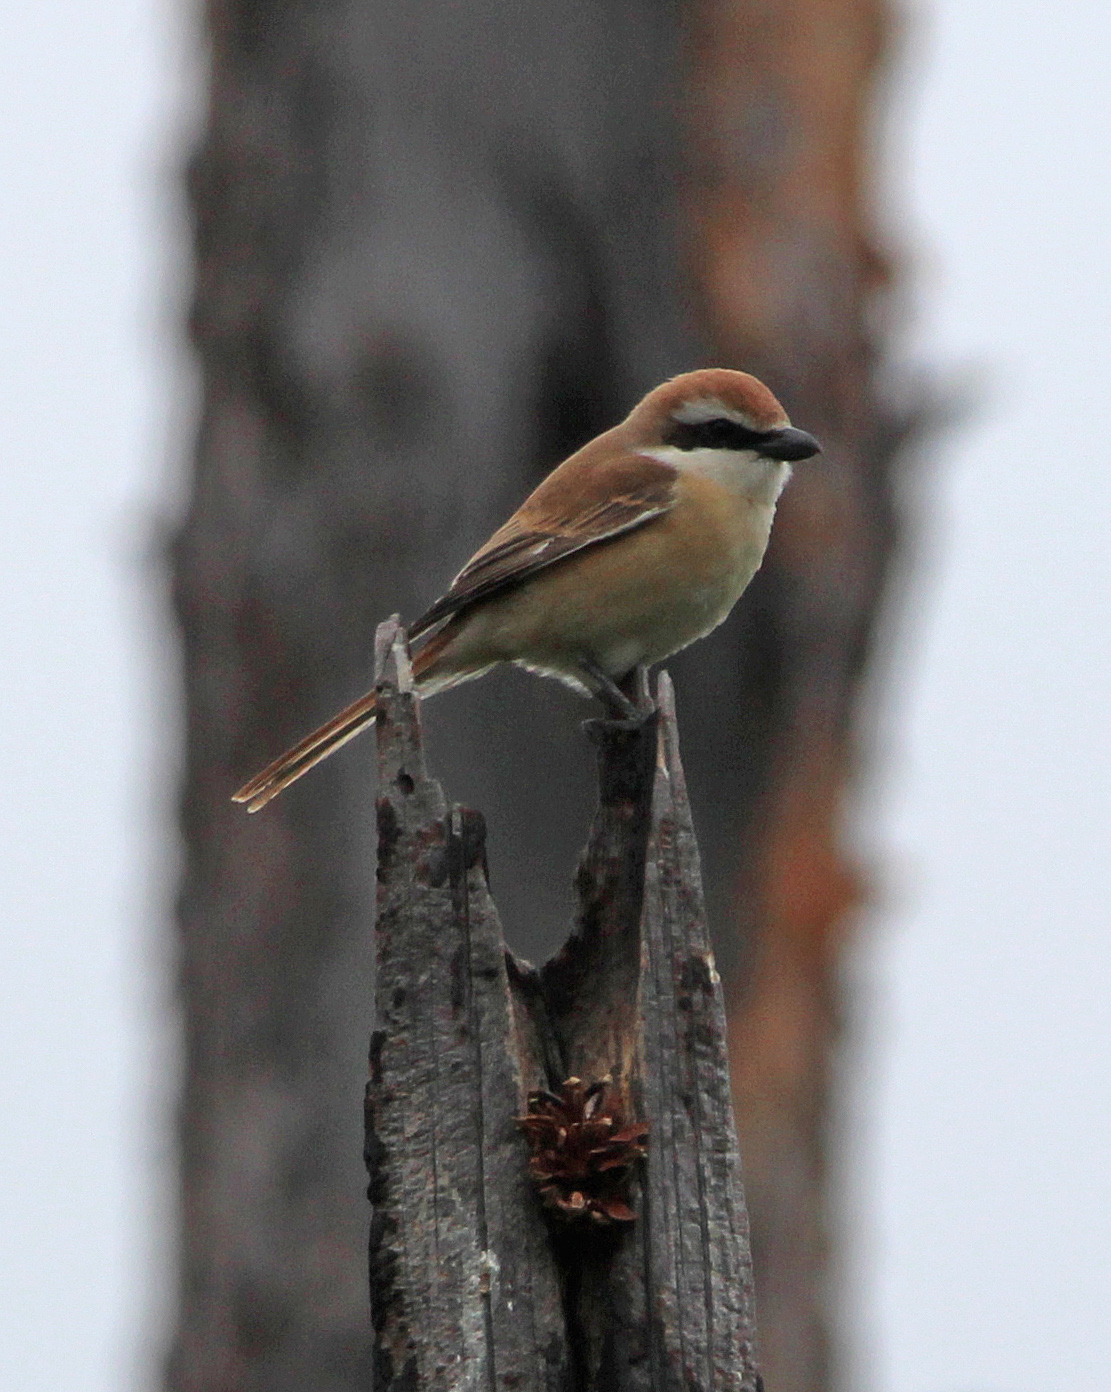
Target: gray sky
[[980, 1191], [988, 1181]]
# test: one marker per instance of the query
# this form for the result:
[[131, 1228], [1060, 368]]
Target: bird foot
[[630, 723], [628, 705]]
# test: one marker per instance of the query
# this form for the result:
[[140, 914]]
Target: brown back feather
[[594, 496]]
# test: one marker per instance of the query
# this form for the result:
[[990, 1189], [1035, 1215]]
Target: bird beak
[[789, 443]]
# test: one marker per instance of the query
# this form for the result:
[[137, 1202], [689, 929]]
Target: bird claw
[[641, 715], [627, 705]]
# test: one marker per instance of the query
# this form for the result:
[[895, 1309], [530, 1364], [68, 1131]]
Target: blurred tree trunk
[[781, 125], [438, 246]]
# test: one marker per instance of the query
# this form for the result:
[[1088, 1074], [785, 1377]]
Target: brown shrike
[[637, 545]]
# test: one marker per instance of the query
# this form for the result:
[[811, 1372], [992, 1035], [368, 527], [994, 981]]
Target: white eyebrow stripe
[[707, 408]]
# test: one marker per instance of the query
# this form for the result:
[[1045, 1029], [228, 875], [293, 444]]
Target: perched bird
[[639, 543]]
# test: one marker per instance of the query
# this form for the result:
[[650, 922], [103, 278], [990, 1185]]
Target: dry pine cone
[[582, 1152]]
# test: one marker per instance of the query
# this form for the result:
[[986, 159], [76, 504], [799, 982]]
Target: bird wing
[[582, 503]]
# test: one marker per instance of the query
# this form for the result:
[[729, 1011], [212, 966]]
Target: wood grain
[[464, 1289]]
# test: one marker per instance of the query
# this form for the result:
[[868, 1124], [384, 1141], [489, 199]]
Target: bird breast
[[643, 595]]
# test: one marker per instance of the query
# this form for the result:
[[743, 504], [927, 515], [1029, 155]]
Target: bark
[[430, 258], [436, 248], [792, 284]]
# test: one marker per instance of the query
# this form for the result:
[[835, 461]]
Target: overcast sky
[[978, 1141], [987, 1185]]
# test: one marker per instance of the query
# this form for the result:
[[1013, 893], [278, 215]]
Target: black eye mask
[[785, 442], [718, 433]]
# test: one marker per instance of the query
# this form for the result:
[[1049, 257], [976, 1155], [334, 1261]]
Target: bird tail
[[325, 740]]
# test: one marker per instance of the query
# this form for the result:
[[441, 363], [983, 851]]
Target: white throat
[[743, 472]]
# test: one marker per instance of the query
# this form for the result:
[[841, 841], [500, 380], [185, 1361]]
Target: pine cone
[[582, 1151]]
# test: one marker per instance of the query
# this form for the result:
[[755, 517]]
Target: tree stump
[[474, 1283]]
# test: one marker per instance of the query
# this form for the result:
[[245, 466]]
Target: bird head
[[719, 409]]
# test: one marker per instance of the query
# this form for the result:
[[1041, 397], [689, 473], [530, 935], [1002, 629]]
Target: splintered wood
[[475, 1282]]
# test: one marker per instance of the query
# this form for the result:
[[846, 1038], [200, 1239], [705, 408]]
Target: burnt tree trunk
[[437, 247]]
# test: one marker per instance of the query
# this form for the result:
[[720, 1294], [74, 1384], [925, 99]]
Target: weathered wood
[[669, 1304], [593, 990], [466, 1276], [464, 1289], [591, 985], [694, 1222]]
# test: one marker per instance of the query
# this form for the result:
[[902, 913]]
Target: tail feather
[[288, 767], [335, 733]]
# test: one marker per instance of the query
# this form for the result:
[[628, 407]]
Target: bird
[[634, 547]]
